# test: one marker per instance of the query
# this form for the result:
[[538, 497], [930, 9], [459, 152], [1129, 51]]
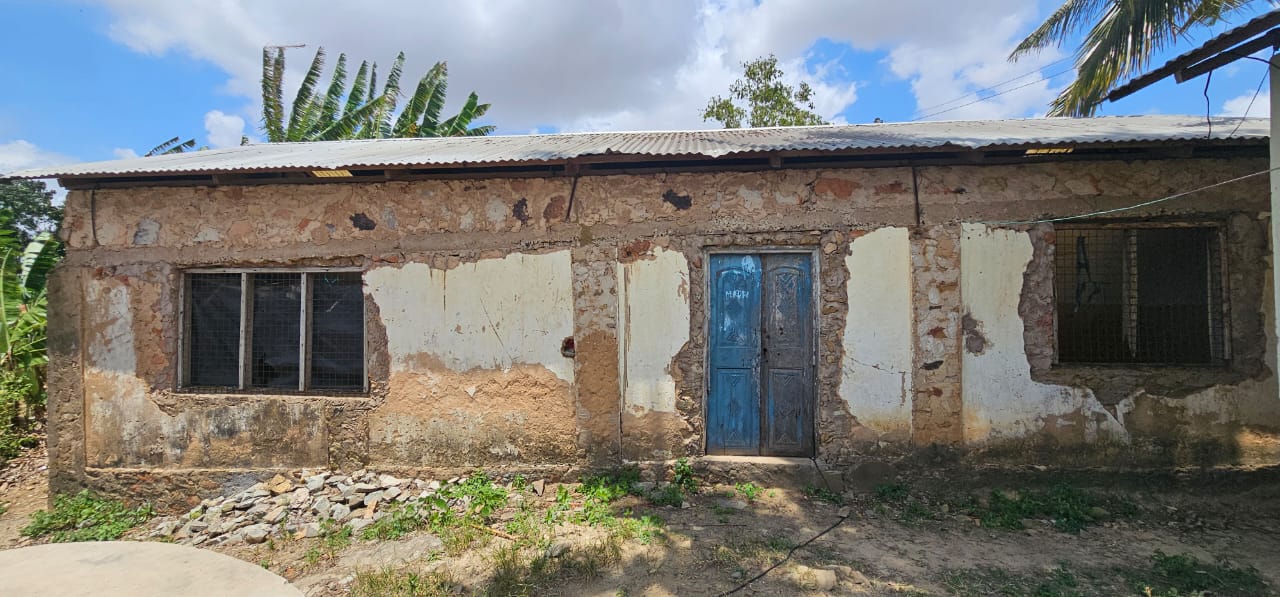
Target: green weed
[[981, 582], [683, 476], [824, 494], [1070, 509], [748, 491], [85, 517], [1183, 575], [669, 495]]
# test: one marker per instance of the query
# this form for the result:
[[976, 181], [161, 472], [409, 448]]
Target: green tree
[[1120, 37], [762, 99], [172, 146], [24, 270], [360, 111], [30, 208]]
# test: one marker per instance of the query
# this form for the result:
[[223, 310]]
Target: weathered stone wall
[[534, 322]]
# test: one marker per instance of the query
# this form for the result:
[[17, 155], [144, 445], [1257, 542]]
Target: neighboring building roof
[[1224, 43], [477, 152]]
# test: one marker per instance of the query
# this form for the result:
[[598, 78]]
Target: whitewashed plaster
[[490, 314], [653, 299], [109, 346], [1001, 400], [876, 379]]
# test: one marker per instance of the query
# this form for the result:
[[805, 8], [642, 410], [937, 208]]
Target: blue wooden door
[[788, 358], [761, 395], [733, 404]]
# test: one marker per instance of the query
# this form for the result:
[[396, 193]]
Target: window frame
[[246, 322], [1217, 227]]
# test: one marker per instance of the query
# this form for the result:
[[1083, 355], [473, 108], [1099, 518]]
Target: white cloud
[[1237, 106], [607, 64], [124, 153], [21, 155], [223, 130]]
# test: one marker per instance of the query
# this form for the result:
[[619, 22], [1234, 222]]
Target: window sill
[[269, 392]]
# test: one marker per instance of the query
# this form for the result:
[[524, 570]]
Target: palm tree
[[172, 146], [360, 112], [1122, 35]]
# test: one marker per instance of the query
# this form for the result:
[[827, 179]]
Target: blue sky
[[97, 80]]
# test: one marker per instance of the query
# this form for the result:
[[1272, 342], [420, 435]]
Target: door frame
[[815, 281]]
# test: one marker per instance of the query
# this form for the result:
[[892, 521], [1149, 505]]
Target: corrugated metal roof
[[533, 149]]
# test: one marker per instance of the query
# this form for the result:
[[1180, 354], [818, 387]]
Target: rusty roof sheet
[[463, 152]]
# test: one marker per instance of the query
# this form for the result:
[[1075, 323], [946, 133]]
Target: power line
[[1251, 100], [996, 86], [994, 95], [1134, 206]]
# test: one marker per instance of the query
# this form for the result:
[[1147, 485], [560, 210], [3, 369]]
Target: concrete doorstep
[[133, 569]]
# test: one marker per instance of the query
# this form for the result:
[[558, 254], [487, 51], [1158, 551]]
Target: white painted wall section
[[1001, 401], [876, 381], [490, 314], [110, 347], [654, 326]]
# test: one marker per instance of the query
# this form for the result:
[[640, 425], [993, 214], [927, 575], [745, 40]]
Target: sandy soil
[[712, 546]]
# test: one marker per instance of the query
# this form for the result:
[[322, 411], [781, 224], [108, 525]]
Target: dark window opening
[[302, 331], [1140, 295]]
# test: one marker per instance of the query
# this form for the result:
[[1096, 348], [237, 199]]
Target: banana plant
[[24, 273], [365, 113]]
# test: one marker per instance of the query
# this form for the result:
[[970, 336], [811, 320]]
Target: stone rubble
[[295, 505]]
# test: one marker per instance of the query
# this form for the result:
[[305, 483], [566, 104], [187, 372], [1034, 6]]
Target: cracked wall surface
[[541, 323]]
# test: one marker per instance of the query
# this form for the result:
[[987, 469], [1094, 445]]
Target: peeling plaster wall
[[655, 326], [490, 314], [876, 381], [1000, 399], [476, 374]]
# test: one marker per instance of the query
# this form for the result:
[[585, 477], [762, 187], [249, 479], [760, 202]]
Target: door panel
[[787, 355], [733, 402]]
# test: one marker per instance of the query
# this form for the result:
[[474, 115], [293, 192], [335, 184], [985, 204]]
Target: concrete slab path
[[133, 569]]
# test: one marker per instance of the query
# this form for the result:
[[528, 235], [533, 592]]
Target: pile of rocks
[[295, 506]]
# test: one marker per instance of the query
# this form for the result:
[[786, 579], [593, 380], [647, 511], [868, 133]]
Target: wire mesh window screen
[[278, 343], [277, 300], [213, 341], [1145, 295], [337, 331]]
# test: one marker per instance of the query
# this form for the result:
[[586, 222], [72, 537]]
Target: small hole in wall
[[566, 348]]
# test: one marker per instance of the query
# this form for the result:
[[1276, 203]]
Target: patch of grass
[[85, 517], [3, 508], [399, 520], [644, 529], [611, 485], [823, 494], [525, 572], [402, 583], [892, 492], [1069, 508], [1183, 575], [981, 582], [748, 491], [482, 496], [668, 495]]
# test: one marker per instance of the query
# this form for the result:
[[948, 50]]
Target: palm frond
[[431, 117], [273, 94], [350, 125], [390, 91], [407, 124], [355, 98], [174, 145], [1123, 37], [304, 103], [337, 88]]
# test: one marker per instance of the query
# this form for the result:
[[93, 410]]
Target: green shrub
[[85, 517]]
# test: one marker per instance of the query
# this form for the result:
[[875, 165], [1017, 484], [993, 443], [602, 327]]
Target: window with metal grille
[[1139, 294], [274, 330]]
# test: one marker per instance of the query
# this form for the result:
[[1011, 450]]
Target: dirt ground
[[899, 540]]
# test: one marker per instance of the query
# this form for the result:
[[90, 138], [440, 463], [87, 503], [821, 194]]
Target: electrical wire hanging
[[1134, 206], [996, 86], [994, 95]]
